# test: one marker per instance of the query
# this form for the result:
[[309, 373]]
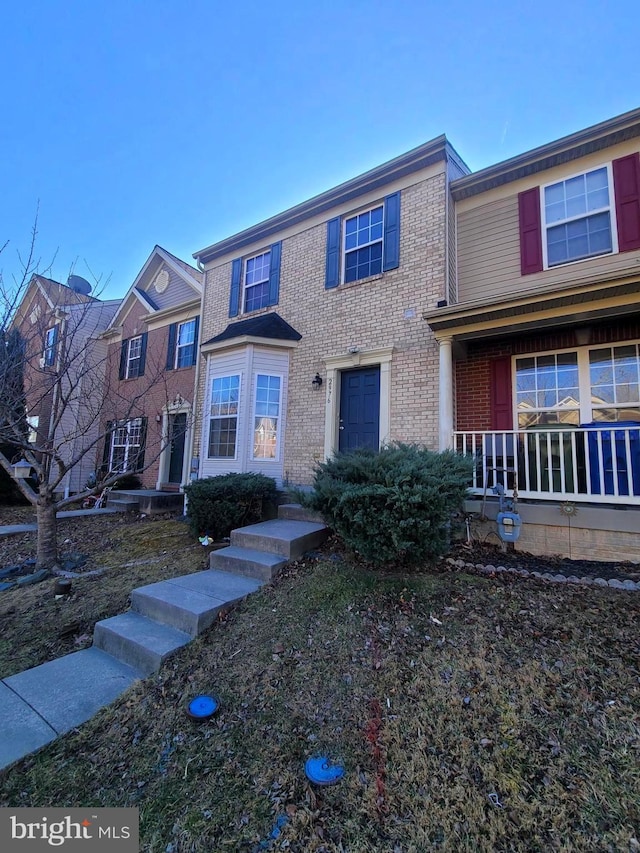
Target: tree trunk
[[47, 555]]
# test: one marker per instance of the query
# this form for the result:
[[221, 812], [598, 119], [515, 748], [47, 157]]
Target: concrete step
[[283, 537], [297, 512], [123, 504], [247, 562], [191, 603], [138, 641]]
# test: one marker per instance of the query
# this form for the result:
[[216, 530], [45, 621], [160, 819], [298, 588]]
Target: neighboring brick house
[[312, 329], [151, 375], [64, 356], [542, 341]]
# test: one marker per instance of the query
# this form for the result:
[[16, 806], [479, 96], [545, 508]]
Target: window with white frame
[[50, 339], [578, 217], [134, 357], [256, 281], [585, 385], [185, 344], [33, 422], [126, 452], [223, 417], [266, 416], [363, 242]]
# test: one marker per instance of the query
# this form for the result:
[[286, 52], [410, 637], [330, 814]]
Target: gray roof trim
[[587, 141], [413, 161]]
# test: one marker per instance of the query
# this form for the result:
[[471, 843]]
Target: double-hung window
[[256, 281], [134, 357], [363, 244], [578, 217], [186, 344], [266, 417], [127, 445], [223, 416], [50, 340]]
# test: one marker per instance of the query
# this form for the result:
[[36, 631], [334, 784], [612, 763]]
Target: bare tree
[[55, 362]]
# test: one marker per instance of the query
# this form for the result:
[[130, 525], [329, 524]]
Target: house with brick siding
[[63, 369], [151, 375], [312, 329], [539, 339]]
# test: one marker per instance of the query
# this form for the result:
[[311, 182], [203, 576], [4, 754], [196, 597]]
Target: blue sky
[[134, 122]]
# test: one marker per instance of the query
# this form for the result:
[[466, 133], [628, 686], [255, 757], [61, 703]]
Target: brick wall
[[382, 311]]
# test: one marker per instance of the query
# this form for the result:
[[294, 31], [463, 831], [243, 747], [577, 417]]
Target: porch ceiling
[[560, 309]]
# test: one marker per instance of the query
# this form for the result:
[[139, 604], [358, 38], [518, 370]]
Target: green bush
[[392, 506], [217, 505]]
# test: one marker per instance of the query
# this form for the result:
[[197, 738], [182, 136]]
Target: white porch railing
[[597, 465]]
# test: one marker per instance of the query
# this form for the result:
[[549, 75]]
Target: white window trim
[[343, 242], [210, 417], [49, 361], [612, 217], [128, 446], [245, 287], [586, 406], [184, 346], [128, 374], [261, 459]]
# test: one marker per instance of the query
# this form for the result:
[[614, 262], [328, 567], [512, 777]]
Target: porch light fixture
[[316, 381], [21, 470], [158, 418]]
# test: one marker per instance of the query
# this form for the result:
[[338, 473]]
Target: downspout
[[196, 383]]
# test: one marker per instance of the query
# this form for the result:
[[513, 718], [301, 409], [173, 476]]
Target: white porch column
[[445, 411]]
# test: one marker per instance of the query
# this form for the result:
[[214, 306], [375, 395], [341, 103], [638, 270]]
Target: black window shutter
[[332, 272], [106, 451], [391, 232], [195, 341], [139, 464], [143, 354], [124, 348], [274, 273], [234, 297], [171, 350]]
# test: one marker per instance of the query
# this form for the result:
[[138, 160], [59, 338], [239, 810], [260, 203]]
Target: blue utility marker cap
[[323, 771], [203, 707]]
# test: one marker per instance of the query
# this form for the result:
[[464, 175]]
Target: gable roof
[[438, 149], [189, 274], [269, 326]]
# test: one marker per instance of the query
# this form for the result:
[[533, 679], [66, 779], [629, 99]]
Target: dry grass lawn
[[471, 714]]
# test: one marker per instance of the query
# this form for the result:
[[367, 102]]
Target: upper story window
[[583, 216], [577, 217], [256, 282], [134, 352], [182, 348], [363, 244], [186, 343], [50, 341]]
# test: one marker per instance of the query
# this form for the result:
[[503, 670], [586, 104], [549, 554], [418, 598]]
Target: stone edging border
[[614, 583]]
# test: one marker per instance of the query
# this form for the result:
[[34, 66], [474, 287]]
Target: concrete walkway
[[12, 529], [38, 705]]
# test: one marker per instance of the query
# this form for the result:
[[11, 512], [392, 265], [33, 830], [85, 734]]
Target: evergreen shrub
[[217, 505], [392, 506]]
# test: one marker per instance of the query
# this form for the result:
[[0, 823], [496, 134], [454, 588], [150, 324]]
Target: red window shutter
[[530, 231], [501, 408], [626, 186]]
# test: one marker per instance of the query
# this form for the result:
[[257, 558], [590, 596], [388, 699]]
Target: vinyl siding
[[177, 293], [489, 258]]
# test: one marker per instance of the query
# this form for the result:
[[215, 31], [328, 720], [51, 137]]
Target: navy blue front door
[[359, 408]]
